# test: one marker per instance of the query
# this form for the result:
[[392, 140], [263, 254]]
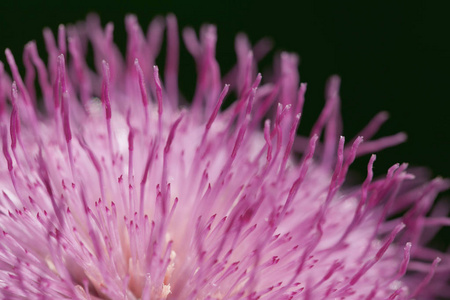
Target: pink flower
[[116, 189]]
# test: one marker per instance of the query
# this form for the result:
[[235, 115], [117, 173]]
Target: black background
[[392, 56]]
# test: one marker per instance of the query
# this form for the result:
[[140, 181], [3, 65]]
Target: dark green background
[[391, 56]]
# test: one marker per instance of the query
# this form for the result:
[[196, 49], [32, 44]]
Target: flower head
[[113, 190]]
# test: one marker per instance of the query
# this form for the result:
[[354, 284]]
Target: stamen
[[42, 75], [27, 100], [427, 278], [107, 105], [81, 70], [143, 90], [158, 98], [65, 111], [172, 57], [62, 39]]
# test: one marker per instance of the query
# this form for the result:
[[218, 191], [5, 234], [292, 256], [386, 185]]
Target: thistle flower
[[112, 190]]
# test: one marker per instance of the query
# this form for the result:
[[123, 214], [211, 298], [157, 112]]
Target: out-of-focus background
[[391, 56]]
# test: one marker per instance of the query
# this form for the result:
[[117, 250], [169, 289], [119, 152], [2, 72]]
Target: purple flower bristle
[[118, 189]]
